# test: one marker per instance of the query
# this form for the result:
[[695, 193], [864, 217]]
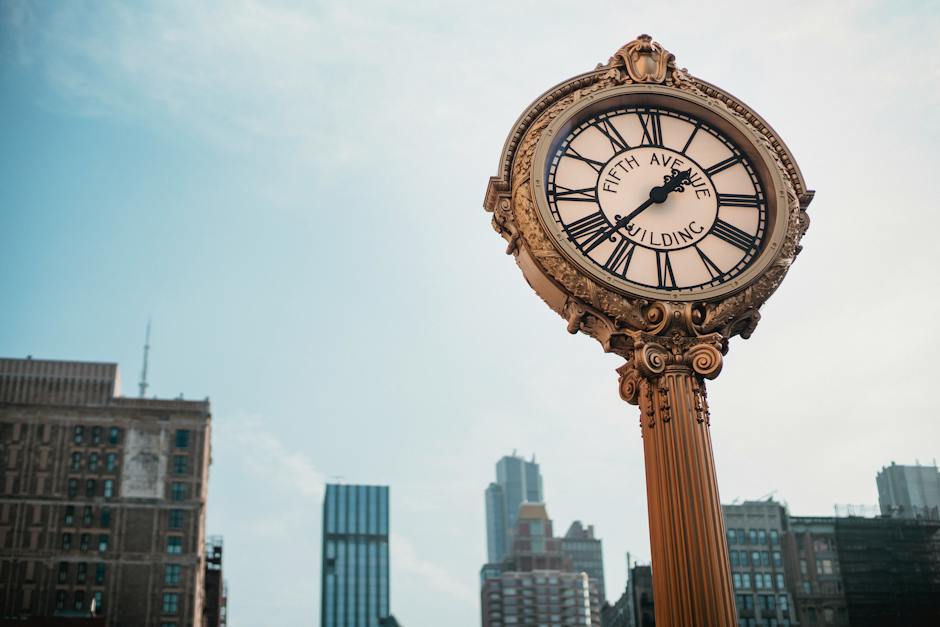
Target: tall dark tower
[[354, 573]]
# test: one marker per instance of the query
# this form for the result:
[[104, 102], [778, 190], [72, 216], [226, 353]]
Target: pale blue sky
[[293, 191]]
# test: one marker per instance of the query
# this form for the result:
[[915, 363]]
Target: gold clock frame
[[699, 108], [593, 304]]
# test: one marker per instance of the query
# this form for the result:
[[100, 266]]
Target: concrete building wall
[[755, 532], [910, 492]]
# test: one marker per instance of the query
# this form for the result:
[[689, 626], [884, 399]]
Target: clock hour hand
[[658, 195], [671, 183]]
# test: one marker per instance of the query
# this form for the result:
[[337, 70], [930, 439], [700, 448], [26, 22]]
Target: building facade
[[909, 491], [831, 571], [755, 531], [102, 498], [517, 481], [814, 573], [215, 607], [355, 564], [586, 554], [535, 584]]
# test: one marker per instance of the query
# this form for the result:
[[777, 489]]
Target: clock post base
[[691, 570]]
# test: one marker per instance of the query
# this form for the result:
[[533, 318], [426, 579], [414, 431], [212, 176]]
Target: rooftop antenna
[[143, 372]]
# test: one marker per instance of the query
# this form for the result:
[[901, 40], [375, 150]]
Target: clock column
[[665, 375]]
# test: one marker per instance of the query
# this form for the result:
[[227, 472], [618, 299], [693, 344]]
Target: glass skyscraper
[[517, 481], [354, 574]]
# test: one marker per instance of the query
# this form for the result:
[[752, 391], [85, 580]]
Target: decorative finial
[[645, 60]]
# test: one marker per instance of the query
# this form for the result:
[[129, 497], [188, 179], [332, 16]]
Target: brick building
[[536, 583], [102, 498]]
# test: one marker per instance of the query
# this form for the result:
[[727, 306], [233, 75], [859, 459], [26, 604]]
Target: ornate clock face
[[655, 199]]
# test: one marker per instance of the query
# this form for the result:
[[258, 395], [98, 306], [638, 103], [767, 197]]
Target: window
[[762, 536], [66, 542], [179, 464], [79, 599], [99, 601], [803, 567], [114, 435], [103, 543], [735, 561], [63, 572], [778, 559], [752, 536], [758, 582], [83, 543], [82, 573], [110, 462], [774, 537], [182, 438], [99, 572], [811, 615], [178, 491], [73, 487], [755, 558], [174, 545], [807, 587], [737, 580], [768, 581], [171, 602], [173, 574], [69, 515], [746, 581], [741, 537], [79, 433], [90, 487], [779, 579], [784, 604], [60, 599], [105, 517], [96, 435], [76, 461], [732, 537], [826, 567], [108, 488], [93, 462], [175, 519], [765, 558], [86, 515]]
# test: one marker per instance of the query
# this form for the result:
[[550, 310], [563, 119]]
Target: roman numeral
[[738, 200], [721, 166], [591, 229], [733, 235], [688, 142], [665, 277], [588, 194], [713, 270], [574, 154], [652, 129], [619, 260], [617, 142]]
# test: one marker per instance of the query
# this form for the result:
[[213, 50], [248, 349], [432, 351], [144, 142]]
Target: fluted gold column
[[691, 571]]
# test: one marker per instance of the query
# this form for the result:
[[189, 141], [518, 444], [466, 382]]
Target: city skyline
[[274, 182]]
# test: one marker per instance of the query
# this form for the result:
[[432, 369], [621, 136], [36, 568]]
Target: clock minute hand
[[658, 195], [619, 224]]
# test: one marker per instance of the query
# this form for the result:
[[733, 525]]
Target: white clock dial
[[656, 198]]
